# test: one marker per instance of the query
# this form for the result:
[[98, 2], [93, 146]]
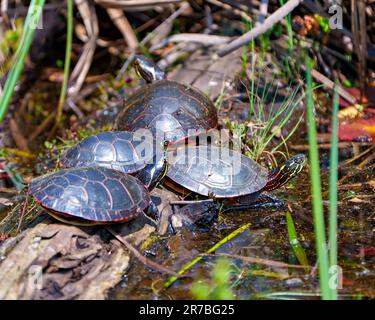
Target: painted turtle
[[92, 195], [166, 107], [229, 175], [133, 153]]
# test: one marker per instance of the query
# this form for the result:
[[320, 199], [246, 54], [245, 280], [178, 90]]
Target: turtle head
[[283, 173], [155, 171], [148, 70]]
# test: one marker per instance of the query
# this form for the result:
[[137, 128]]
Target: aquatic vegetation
[[218, 287]]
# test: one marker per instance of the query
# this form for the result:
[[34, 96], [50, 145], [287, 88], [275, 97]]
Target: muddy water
[[267, 238]]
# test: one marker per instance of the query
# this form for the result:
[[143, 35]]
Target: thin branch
[[17, 136], [228, 7], [204, 39], [266, 262], [152, 34], [330, 85], [147, 262], [119, 19], [135, 4], [274, 18]]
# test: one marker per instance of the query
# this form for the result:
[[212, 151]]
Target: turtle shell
[[218, 171], [170, 108], [119, 150], [91, 193]]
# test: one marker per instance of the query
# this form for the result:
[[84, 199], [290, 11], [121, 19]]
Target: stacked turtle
[[107, 177]]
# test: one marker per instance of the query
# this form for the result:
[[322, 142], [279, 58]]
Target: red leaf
[[367, 251], [354, 92], [360, 130], [368, 98]]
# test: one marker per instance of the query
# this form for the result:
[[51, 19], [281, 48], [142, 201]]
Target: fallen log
[[57, 261]]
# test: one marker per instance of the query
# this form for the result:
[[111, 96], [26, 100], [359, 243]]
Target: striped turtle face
[[147, 70], [295, 164], [283, 173]]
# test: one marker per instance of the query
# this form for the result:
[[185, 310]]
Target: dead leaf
[[359, 130], [356, 93], [356, 200], [351, 112], [371, 183]]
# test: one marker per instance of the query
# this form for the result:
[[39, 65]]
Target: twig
[[90, 20], [321, 78], [274, 18], [169, 20], [17, 136], [205, 39], [227, 6], [134, 4], [146, 39], [119, 19], [358, 156], [358, 16], [24, 213], [341, 145], [370, 158], [266, 262], [147, 262], [354, 185], [4, 11], [330, 85], [46, 122]]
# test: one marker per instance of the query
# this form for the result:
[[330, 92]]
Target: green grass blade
[[251, 48], [289, 29], [235, 233], [68, 50], [32, 18], [291, 132], [319, 227], [299, 252], [332, 231], [290, 295]]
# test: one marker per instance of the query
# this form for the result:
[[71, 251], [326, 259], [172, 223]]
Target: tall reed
[[68, 50], [32, 19], [317, 204], [333, 164]]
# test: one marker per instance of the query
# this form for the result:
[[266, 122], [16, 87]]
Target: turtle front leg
[[264, 200], [195, 214]]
